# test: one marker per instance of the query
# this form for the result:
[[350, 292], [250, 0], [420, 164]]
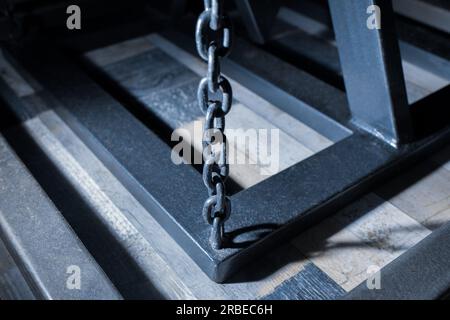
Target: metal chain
[[213, 40]]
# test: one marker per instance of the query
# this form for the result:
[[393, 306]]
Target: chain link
[[213, 40]]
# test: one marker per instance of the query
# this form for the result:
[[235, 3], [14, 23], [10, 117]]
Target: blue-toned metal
[[372, 69], [435, 13], [422, 273]]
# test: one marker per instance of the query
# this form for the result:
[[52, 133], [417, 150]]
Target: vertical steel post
[[371, 64]]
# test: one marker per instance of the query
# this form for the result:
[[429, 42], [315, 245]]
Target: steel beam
[[371, 64]]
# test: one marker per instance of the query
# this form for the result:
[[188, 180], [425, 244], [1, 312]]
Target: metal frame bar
[[276, 208], [417, 45], [372, 69], [265, 214]]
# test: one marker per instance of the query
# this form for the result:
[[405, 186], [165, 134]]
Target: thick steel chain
[[213, 40]]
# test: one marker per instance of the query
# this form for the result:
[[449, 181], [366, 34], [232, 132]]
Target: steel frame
[[380, 136], [372, 69], [42, 268], [258, 17], [433, 13]]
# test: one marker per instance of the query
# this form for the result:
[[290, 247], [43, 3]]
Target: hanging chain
[[213, 40]]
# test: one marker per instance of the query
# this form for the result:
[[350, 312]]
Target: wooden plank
[[245, 120], [310, 138], [50, 246], [290, 150], [422, 192], [442, 158], [117, 52], [265, 109], [245, 175], [415, 92], [377, 239], [13, 285], [239, 118], [15, 81], [423, 78], [425, 12], [369, 232], [306, 24], [176, 105], [164, 263], [384, 231], [419, 82]]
